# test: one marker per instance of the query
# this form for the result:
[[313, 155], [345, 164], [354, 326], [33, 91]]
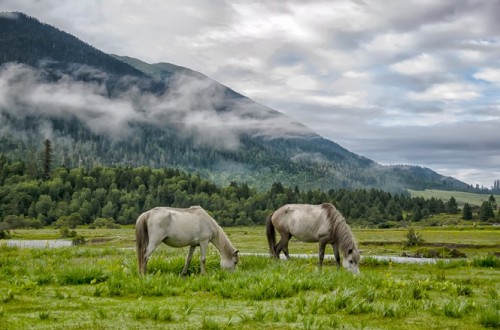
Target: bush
[[65, 232], [33, 223], [413, 238], [104, 222], [71, 221], [4, 230], [78, 240]]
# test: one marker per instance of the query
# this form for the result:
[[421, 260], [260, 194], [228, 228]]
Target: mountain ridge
[[109, 109]]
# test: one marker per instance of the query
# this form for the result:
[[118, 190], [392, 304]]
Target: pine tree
[[467, 212], [452, 206], [486, 211], [47, 159], [493, 201]]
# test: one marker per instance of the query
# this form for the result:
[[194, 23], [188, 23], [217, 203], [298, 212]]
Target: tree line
[[116, 195]]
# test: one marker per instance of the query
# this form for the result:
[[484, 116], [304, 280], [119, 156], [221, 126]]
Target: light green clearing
[[460, 197]]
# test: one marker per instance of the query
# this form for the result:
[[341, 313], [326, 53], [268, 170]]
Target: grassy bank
[[89, 288], [95, 286]]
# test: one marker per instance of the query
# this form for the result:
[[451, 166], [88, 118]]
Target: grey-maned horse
[[178, 228], [321, 223]]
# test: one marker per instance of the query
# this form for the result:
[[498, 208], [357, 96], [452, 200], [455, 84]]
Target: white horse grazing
[[313, 223], [178, 228]]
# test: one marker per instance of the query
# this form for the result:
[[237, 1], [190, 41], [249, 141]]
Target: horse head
[[351, 261], [231, 262]]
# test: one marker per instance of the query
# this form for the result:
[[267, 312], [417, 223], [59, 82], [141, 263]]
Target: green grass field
[[96, 286], [478, 240], [460, 197]]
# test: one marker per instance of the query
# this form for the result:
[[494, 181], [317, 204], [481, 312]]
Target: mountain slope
[[107, 109]]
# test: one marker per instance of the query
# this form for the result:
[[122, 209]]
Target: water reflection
[[43, 243], [394, 259]]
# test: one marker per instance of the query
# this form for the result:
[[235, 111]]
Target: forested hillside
[[117, 195], [99, 109]]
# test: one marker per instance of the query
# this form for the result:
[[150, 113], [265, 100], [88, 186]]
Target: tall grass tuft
[[456, 309], [153, 312], [74, 275], [209, 324], [343, 299], [8, 297], [43, 315], [489, 318], [373, 262], [393, 310], [489, 261], [463, 290], [160, 285]]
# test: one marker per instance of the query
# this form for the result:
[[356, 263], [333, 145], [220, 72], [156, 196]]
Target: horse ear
[[350, 251], [236, 252]]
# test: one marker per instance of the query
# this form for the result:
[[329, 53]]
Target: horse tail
[[142, 241], [271, 235]]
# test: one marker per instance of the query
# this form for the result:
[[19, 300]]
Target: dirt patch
[[440, 253], [446, 245], [99, 240]]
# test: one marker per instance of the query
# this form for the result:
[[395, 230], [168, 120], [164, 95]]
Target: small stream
[[56, 243], [395, 259], [38, 243]]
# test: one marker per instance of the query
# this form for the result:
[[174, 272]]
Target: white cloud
[[422, 64], [447, 92], [489, 74], [347, 100]]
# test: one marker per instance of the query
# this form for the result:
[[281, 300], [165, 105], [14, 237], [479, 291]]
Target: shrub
[[490, 261], [413, 238], [65, 232], [4, 230], [104, 223], [78, 240]]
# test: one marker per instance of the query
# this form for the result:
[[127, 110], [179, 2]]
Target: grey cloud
[[347, 36]]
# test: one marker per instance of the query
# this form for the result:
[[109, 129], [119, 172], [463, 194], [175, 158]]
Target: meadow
[[96, 286], [460, 196]]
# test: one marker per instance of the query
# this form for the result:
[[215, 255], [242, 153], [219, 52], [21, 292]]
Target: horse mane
[[224, 243], [341, 232]]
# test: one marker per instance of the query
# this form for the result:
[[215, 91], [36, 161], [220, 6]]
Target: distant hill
[[98, 108]]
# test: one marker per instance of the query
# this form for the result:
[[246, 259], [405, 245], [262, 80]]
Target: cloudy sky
[[400, 82]]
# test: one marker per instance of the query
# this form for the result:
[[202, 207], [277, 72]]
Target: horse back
[[181, 227], [306, 222]]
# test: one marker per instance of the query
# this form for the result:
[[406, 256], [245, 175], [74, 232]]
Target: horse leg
[[285, 247], [337, 254], [321, 252], [153, 244], [203, 256], [278, 250], [188, 259], [285, 238]]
